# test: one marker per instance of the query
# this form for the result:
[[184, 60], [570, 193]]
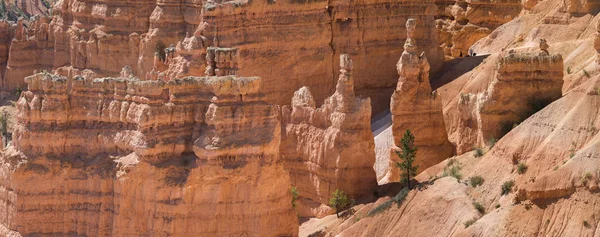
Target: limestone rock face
[[520, 85], [330, 147], [118, 157], [414, 106]]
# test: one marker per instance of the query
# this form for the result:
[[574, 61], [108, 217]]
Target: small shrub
[[586, 177], [597, 90], [294, 192], [507, 187], [382, 207], [492, 142], [521, 168], [4, 120], [159, 50], [479, 207], [555, 168], [399, 198], [476, 181], [18, 91], [568, 70], [586, 224], [478, 152], [497, 206], [453, 171], [586, 73], [470, 222], [465, 98]]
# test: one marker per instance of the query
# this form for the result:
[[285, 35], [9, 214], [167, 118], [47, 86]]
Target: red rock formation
[[519, 85], [330, 147], [415, 107], [462, 23], [127, 158], [292, 44]]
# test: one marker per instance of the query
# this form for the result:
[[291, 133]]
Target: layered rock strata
[[114, 157], [462, 23], [330, 147], [294, 44], [521, 84], [416, 108], [291, 42]]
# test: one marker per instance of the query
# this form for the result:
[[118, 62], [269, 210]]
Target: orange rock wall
[[519, 83], [188, 157], [328, 148], [293, 44]]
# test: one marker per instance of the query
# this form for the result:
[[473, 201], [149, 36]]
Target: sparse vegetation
[[339, 201], [452, 169], [398, 199], [568, 70], [159, 50], [382, 207], [507, 187], [497, 206], [4, 118], [586, 178], [492, 142], [2, 9], [294, 192], [18, 91], [586, 224], [521, 168], [479, 207], [476, 181], [478, 152], [407, 156], [358, 217], [597, 90], [586, 73], [470, 222], [465, 98], [555, 168]]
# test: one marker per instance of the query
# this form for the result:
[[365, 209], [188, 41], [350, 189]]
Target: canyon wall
[[330, 147], [297, 42], [116, 157], [291, 42]]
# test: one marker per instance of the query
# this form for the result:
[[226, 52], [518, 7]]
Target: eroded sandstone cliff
[[330, 147], [123, 157], [291, 42], [415, 107], [520, 85]]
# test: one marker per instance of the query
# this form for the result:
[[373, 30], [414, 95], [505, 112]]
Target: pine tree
[[339, 201], [407, 157]]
